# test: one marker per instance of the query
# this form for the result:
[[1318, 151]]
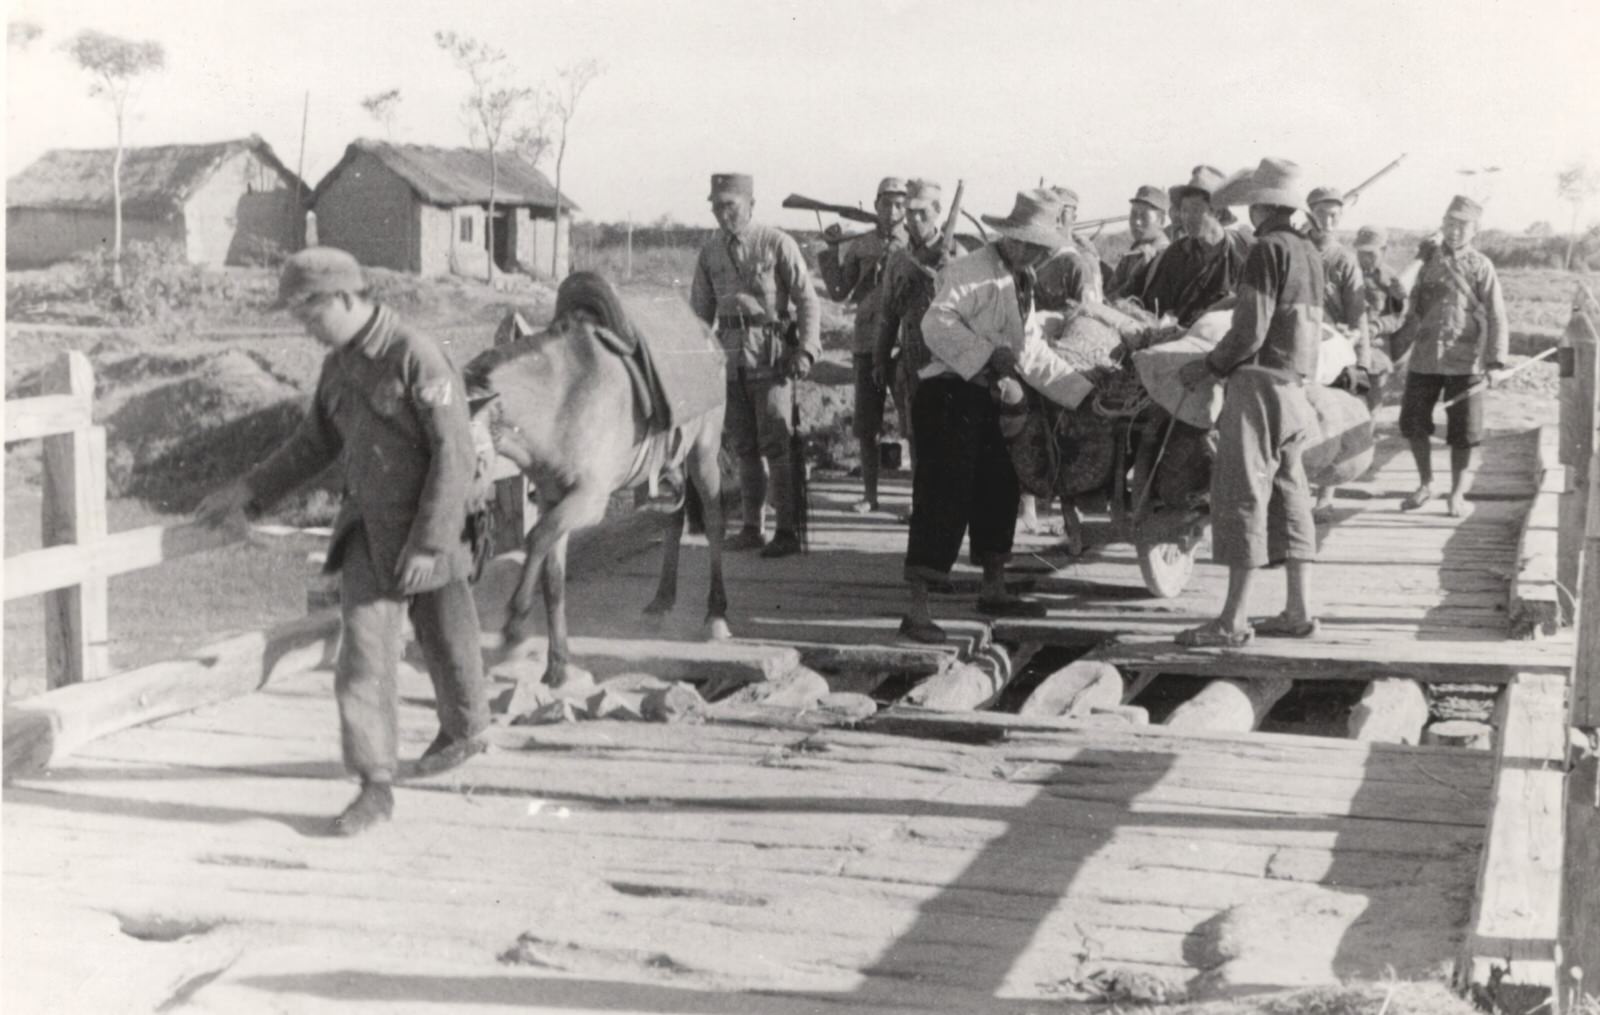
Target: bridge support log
[[1391, 711], [1230, 706], [1075, 689]]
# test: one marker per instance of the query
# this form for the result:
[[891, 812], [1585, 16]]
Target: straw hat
[[1274, 181], [1035, 218], [1203, 180]]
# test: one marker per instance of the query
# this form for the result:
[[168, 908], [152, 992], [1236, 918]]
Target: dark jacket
[[1278, 321], [1188, 277], [392, 411]]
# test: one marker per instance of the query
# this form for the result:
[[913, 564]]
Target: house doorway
[[504, 243]]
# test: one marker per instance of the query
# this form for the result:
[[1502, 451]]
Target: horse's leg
[[705, 471], [559, 670], [666, 596], [584, 504]]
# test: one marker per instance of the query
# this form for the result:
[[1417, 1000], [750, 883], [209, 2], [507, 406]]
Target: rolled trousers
[[1260, 500], [962, 484], [446, 624]]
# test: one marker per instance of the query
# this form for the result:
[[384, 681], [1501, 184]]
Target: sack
[[1082, 339], [1032, 446], [1158, 369], [1086, 443], [1342, 451]]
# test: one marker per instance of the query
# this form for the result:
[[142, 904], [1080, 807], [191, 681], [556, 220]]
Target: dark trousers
[[446, 624], [962, 483]]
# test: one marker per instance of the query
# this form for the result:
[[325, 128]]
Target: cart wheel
[[1166, 566]]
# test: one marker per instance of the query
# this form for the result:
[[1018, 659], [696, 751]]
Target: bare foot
[[1458, 504]]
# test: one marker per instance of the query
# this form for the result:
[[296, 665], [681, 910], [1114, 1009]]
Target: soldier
[[906, 291], [1345, 303], [746, 280], [856, 276], [1071, 274], [392, 411], [1260, 503], [979, 330], [1147, 220], [1381, 289], [1203, 267], [1458, 321]]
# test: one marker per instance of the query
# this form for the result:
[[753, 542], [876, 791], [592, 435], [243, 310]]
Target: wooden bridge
[[775, 858]]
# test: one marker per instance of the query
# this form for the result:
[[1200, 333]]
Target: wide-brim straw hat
[[1203, 180], [1035, 218], [1274, 181]]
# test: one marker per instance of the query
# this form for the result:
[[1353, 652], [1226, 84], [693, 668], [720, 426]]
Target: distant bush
[[158, 283], [1507, 250]]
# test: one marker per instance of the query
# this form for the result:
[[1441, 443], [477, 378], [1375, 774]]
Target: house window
[[466, 229]]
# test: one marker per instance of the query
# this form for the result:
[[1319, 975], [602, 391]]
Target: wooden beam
[[1580, 893], [1577, 393], [1324, 658], [1586, 666], [1516, 910], [77, 619], [42, 730], [46, 415], [56, 567], [1535, 604]]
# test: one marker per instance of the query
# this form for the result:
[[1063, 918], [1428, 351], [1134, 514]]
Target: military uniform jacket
[[764, 263], [1189, 276], [1386, 300], [859, 281], [392, 411], [1128, 278], [1069, 277], [1460, 314], [909, 282]]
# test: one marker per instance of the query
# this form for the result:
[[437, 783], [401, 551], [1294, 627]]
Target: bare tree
[[114, 64], [383, 107], [531, 140], [571, 82], [489, 106], [20, 35], [1575, 185]]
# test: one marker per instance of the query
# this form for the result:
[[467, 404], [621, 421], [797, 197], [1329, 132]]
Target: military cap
[[317, 270], [736, 184], [1464, 208], [1371, 238], [923, 191], [1203, 181], [1155, 197], [891, 185], [1321, 194]]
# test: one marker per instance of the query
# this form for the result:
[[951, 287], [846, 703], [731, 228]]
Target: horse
[[560, 405]]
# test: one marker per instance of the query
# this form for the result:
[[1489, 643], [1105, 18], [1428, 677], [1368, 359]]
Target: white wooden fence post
[[77, 622]]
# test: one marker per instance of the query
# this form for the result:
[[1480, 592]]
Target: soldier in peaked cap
[[1381, 289], [855, 275], [1459, 335], [1203, 266], [1260, 501], [979, 330], [1344, 304], [747, 281], [392, 411], [1147, 221], [907, 290], [1071, 274]]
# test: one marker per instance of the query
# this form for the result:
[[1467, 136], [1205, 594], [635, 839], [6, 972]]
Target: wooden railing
[[79, 555], [1579, 570]]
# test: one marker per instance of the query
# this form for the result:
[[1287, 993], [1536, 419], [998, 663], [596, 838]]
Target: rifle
[[844, 211], [1083, 224], [1353, 195], [947, 236]]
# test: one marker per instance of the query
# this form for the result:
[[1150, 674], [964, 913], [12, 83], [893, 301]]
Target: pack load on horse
[[1142, 446], [618, 392]]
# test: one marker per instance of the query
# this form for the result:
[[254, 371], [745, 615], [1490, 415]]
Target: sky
[[823, 97]]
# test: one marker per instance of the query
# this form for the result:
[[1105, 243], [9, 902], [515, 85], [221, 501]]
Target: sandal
[[1416, 498], [1212, 635], [1282, 626], [925, 632]]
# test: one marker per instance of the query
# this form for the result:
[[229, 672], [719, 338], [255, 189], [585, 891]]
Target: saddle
[[672, 358]]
